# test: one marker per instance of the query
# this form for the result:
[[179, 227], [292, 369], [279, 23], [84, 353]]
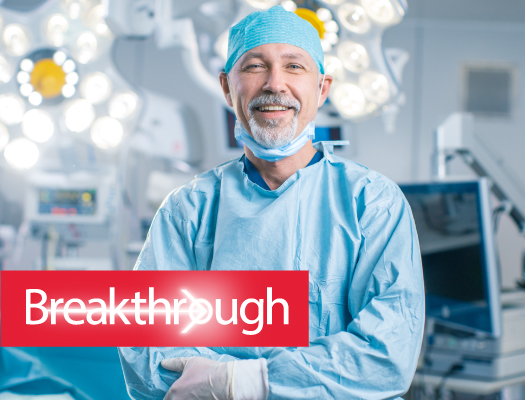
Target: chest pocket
[[328, 306]]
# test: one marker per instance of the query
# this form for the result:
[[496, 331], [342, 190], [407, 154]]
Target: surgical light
[[59, 58], [85, 48], [79, 115], [326, 45], [96, 87], [331, 26], [289, 5], [72, 78], [354, 56], [26, 89], [23, 77], [12, 109], [123, 105], [35, 99], [75, 8], [349, 100], [16, 39], [55, 29], [331, 37], [68, 66], [68, 91], [27, 65], [6, 70], [96, 22], [375, 87], [263, 4], [107, 133], [21, 153], [47, 78], [381, 11], [4, 136], [354, 18], [334, 67], [38, 125], [324, 14]]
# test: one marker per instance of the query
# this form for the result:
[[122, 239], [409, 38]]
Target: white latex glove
[[205, 379]]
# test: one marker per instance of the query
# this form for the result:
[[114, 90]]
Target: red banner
[[154, 308]]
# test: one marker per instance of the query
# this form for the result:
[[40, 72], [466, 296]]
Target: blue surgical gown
[[350, 227]]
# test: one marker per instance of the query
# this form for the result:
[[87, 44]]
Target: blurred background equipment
[[66, 211], [454, 225]]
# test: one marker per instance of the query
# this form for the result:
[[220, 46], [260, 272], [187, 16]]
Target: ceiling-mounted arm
[[456, 136]]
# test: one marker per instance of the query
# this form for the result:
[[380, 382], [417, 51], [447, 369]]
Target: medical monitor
[[454, 226]]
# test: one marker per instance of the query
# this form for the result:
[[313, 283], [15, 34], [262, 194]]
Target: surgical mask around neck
[[274, 154]]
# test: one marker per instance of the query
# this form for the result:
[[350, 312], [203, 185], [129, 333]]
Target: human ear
[[325, 89], [223, 78]]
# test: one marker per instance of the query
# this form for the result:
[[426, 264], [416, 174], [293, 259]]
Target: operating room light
[[23, 77], [35, 99], [334, 2], [324, 14], [68, 66], [21, 153], [72, 78], [289, 5], [27, 65], [374, 86], [354, 18], [331, 37], [107, 133], [16, 39], [334, 67], [26, 89], [4, 136], [68, 91], [354, 56], [96, 87], [12, 109], [96, 22], [263, 4], [79, 115], [85, 48], [331, 26], [38, 125], [381, 11], [55, 30], [349, 99], [59, 58], [75, 8], [6, 70], [123, 105], [326, 45]]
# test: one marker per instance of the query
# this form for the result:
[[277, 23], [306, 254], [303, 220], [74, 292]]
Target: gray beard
[[271, 135]]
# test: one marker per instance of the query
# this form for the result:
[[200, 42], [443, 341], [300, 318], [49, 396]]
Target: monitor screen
[[450, 227], [67, 201]]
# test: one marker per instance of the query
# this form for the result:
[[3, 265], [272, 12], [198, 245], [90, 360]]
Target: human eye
[[295, 67], [253, 66]]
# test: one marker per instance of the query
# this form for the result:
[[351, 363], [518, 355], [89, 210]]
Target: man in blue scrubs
[[287, 205]]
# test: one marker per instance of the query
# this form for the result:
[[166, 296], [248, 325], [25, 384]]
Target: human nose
[[275, 82]]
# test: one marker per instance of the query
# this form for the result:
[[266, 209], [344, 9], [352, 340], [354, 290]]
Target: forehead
[[275, 52]]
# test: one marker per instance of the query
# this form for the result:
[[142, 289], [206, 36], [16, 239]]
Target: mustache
[[274, 99]]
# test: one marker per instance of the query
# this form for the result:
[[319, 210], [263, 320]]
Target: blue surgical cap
[[275, 25]]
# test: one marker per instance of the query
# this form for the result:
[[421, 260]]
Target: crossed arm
[[374, 358]]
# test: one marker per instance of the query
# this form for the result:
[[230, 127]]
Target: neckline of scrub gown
[[255, 177]]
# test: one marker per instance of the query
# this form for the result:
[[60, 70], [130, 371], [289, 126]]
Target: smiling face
[[274, 90]]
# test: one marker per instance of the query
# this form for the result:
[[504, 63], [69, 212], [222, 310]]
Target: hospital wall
[[432, 80]]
